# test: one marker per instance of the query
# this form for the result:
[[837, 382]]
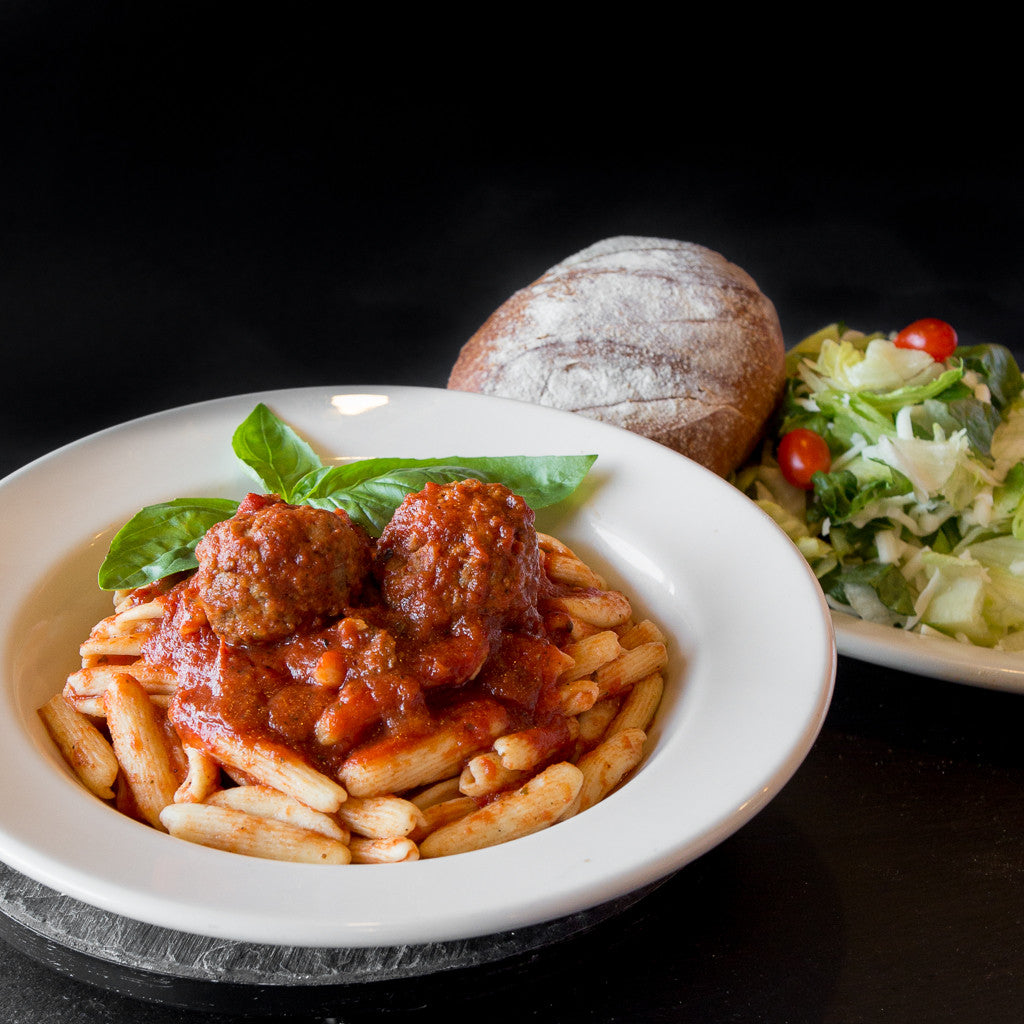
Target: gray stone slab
[[63, 930]]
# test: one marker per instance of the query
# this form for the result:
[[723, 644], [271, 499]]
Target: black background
[[194, 207]]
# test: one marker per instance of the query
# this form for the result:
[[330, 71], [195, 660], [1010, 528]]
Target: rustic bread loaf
[[665, 338]]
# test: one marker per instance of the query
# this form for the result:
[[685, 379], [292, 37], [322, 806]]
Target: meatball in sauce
[[273, 569], [460, 557]]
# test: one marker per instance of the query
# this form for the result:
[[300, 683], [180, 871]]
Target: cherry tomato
[[801, 454], [933, 336]]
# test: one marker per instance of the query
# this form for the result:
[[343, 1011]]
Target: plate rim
[[935, 657]]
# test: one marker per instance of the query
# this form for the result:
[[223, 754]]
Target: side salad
[[895, 462]]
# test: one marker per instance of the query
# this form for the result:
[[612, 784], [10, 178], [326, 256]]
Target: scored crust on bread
[[665, 338]]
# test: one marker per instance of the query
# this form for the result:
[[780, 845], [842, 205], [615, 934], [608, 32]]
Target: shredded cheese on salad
[[912, 511]]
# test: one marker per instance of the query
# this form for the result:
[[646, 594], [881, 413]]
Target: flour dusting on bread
[[665, 338]]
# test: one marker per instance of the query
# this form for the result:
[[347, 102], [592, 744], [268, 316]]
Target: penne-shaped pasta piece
[[154, 678], [276, 767], [136, 731], [136, 620], [570, 570], [126, 619], [383, 851], [391, 766], [578, 696], [486, 774], [520, 812], [607, 764], [202, 777], [526, 749], [548, 543], [639, 704], [590, 653], [119, 645], [578, 629], [380, 817], [264, 802], [93, 680], [564, 660], [225, 828], [438, 815], [124, 604], [624, 671], [437, 793], [594, 722], [643, 632], [85, 749], [91, 707], [175, 748], [603, 608]]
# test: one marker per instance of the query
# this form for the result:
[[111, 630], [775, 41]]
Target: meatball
[[275, 568], [460, 557]]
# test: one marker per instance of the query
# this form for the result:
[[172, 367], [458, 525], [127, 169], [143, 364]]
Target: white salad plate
[[937, 657], [748, 685]]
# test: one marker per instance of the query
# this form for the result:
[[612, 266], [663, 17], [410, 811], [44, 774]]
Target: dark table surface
[[190, 211]]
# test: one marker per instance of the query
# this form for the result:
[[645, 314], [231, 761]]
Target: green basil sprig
[[161, 539]]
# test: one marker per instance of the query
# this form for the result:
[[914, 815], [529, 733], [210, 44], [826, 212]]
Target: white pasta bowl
[[752, 663]]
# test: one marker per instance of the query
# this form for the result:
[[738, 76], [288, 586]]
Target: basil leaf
[[273, 453], [540, 480], [372, 502], [160, 540], [370, 490]]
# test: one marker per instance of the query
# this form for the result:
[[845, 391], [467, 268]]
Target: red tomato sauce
[[300, 630]]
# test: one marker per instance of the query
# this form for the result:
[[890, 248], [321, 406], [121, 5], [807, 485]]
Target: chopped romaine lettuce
[[919, 521]]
